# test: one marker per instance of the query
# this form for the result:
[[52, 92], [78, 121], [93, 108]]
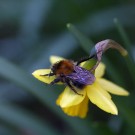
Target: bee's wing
[[82, 76]]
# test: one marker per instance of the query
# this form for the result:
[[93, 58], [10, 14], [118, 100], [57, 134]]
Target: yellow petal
[[100, 70], [70, 98], [111, 87], [81, 64], [101, 98], [59, 99], [54, 59], [79, 110], [38, 74]]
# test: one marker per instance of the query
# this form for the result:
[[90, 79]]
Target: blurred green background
[[31, 31]]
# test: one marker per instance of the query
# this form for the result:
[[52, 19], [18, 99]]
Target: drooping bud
[[104, 45]]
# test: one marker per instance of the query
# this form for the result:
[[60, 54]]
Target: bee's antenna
[[84, 59]]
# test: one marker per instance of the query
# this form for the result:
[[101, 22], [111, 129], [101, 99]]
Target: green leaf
[[24, 120], [128, 113], [85, 42], [123, 35]]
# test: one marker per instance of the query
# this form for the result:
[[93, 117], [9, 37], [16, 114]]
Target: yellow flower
[[98, 93]]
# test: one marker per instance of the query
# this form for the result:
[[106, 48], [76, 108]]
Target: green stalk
[[127, 43]]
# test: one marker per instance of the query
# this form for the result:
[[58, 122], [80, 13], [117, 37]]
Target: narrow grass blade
[[127, 43], [123, 35], [128, 113], [24, 121], [85, 42]]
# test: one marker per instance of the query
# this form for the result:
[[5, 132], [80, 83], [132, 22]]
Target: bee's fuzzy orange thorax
[[64, 67]]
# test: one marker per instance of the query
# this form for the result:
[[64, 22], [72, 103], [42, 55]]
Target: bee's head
[[55, 67]]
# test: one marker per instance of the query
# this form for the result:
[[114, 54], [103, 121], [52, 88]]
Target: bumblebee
[[71, 74]]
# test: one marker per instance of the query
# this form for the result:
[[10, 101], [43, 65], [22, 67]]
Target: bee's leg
[[55, 81], [72, 88], [50, 74]]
